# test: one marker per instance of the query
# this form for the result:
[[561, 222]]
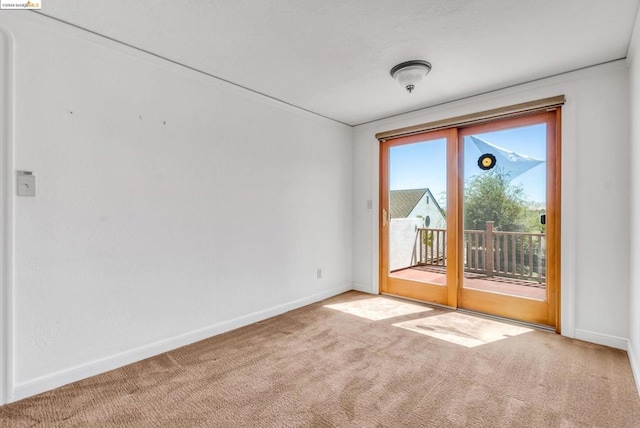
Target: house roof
[[402, 202]]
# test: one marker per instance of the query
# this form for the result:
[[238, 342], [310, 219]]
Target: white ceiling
[[333, 57]]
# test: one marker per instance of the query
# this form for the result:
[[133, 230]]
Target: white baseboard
[[635, 365], [602, 339], [363, 288], [83, 371]]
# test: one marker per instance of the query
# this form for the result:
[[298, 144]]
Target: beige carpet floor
[[360, 361]]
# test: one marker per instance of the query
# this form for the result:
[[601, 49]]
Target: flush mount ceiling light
[[410, 73]]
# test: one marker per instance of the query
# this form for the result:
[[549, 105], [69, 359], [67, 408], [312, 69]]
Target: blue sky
[[422, 165]]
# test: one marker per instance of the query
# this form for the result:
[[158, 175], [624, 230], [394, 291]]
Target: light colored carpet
[[356, 360]]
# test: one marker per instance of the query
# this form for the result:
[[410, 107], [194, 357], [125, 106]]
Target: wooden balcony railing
[[490, 252], [433, 247]]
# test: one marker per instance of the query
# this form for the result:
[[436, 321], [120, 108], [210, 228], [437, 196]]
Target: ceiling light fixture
[[410, 73]]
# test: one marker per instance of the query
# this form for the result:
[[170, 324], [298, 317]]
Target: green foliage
[[532, 221], [427, 239], [491, 197]]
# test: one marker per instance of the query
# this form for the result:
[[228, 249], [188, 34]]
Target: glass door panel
[[504, 198], [417, 216], [509, 211], [417, 237]]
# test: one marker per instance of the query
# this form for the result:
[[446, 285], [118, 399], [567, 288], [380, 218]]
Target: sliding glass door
[[470, 217], [417, 227], [508, 186]]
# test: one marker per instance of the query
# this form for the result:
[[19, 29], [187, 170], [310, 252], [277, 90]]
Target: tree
[[491, 197]]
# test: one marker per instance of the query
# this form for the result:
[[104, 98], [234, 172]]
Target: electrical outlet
[[319, 273]]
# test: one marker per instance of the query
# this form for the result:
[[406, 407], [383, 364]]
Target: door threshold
[[437, 305], [542, 327]]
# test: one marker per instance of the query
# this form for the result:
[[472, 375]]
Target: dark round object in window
[[486, 161], [427, 221]]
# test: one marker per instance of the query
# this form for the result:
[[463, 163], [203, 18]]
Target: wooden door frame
[[548, 312], [555, 186], [448, 295]]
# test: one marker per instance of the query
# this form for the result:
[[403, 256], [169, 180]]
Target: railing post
[[488, 236]]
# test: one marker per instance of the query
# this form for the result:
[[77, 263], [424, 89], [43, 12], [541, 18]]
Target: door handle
[[384, 217]]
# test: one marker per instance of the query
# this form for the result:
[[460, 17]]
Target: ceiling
[[333, 57]]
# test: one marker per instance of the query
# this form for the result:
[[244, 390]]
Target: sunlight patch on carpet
[[378, 308], [462, 329]]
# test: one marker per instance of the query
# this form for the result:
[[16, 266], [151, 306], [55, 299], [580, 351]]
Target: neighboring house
[[417, 203]]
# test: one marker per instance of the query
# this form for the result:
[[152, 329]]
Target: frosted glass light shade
[[410, 73]]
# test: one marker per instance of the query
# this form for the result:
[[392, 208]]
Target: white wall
[[4, 243], [426, 207], [403, 240], [595, 166], [153, 181], [634, 294]]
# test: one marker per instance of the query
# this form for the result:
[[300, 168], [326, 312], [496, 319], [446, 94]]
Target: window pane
[[417, 204], [504, 205]]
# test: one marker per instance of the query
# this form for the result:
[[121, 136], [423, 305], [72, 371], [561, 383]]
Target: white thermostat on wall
[[26, 183]]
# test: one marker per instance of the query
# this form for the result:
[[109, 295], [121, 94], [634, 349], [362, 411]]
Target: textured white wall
[[5, 102], [634, 291], [168, 202], [595, 136]]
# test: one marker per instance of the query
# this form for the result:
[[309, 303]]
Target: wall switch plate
[[26, 183], [319, 273]]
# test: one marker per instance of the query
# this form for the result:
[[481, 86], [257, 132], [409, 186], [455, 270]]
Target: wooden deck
[[495, 284]]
